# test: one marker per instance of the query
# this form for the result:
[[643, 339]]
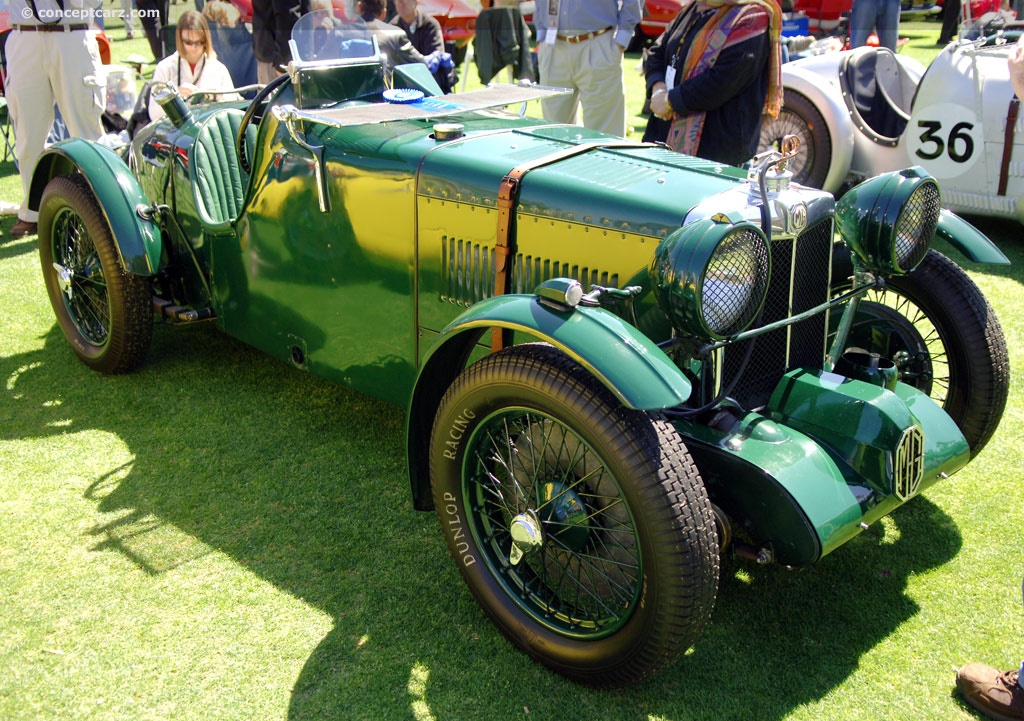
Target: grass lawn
[[218, 536]]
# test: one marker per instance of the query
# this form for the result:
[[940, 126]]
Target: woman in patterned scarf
[[711, 76]]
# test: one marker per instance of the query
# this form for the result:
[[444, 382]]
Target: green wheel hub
[[553, 525], [79, 273]]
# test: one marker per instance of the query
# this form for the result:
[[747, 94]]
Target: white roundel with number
[[945, 139]]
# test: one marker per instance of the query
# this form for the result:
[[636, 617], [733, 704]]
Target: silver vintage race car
[[869, 110]]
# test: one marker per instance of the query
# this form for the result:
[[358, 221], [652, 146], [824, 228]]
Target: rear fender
[[627, 362], [139, 241]]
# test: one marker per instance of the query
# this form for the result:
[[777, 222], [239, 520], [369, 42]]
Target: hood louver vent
[[467, 271]]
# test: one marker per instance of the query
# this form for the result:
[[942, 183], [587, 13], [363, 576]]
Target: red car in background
[[824, 15], [657, 15], [458, 22], [457, 18]]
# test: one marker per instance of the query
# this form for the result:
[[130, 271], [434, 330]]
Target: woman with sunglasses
[[194, 66]]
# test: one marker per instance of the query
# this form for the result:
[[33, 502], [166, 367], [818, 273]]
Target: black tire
[[105, 313], [944, 337], [620, 565], [799, 117]]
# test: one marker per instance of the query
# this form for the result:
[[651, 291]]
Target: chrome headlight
[[711, 277], [889, 221], [560, 293]]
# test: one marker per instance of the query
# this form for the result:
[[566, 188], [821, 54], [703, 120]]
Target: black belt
[[55, 28]]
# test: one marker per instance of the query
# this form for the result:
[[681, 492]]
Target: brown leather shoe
[[993, 692], [23, 228]]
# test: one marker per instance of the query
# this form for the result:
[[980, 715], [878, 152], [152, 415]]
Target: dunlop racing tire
[[105, 313], [581, 527]]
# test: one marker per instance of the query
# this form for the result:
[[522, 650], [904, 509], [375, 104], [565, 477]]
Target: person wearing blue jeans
[[882, 16]]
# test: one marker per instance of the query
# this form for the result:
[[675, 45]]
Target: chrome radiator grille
[[801, 269]]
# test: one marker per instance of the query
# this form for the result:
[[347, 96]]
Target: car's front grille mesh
[[800, 280]]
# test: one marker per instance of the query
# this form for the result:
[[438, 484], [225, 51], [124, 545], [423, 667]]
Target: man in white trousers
[[51, 57], [580, 44]]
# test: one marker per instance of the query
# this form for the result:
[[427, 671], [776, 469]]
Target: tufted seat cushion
[[219, 181]]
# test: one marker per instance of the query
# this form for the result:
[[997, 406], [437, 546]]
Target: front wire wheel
[[106, 314], [581, 527], [944, 337]]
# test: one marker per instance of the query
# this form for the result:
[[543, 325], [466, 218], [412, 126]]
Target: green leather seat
[[219, 180]]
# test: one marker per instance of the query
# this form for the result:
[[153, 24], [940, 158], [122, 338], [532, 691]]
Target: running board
[[166, 309]]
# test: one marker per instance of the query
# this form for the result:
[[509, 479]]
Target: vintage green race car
[[619, 362]]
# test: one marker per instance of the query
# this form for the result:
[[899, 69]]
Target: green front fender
[[804, 476], [968, 240], [139, 242], [627, 362]]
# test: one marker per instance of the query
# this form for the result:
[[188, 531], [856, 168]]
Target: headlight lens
[[710, 277], [916, 225], [889, 220]]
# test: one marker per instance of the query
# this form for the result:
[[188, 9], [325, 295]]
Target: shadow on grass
[[304, 483], [11, 247]]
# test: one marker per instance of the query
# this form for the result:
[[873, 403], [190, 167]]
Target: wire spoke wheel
[[789, 124], [85, 289], [799, 117], [581, 527], [943, 337], [581, 575], [914, 343], [105, 313]]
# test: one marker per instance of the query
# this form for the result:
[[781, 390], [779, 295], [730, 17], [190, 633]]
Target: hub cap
[[527, 536]]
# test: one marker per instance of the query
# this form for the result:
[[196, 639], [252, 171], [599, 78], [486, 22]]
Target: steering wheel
[[255, 111]]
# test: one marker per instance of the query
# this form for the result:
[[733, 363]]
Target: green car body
[[390, 250]]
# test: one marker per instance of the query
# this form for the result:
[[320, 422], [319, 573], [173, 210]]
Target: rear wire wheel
[[581, 527], [799, 117], [105, 313]]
